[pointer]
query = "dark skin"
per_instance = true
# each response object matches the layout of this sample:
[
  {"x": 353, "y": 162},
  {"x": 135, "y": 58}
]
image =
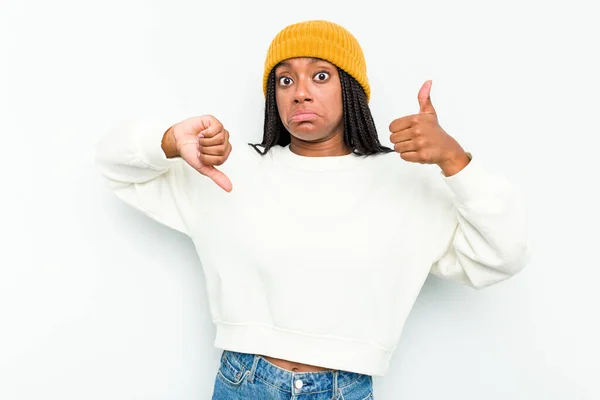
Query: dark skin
[
  {"x": 309, "y": 101},
  {"x": 313, "y": 84},
  {"x": 420, "y": 138}
]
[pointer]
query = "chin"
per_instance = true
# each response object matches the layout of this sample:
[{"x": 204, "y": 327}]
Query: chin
[
  {"x": 307, "y": 132},
  {"x": 308, "y": 137}
]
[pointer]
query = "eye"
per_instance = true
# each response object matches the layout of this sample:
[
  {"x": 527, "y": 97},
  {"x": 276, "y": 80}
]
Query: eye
[
  {"x": 322, "y": 76},
  {"x": 285, "y": 81}
]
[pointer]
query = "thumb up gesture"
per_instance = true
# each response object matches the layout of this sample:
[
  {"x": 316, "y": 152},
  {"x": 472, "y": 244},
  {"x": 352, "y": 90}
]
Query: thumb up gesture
[
  {"x": 419, "y": 138},
  {"x": 203, "y": 143}
]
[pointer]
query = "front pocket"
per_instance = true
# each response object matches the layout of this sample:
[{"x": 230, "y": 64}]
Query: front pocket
[
  {"x": 230, "y": 373},
  {"x": 236, "y": 381},
  {"x": 359, "y": 389}
]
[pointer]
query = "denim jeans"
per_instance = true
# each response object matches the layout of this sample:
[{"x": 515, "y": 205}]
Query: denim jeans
[{"x": 252, "y": 377}]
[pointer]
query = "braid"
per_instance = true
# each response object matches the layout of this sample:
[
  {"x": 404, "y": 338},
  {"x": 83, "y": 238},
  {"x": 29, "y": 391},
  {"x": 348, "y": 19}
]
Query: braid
[
  {"x": 274, "y": 131},
  {"x": 360, "y": 133}
]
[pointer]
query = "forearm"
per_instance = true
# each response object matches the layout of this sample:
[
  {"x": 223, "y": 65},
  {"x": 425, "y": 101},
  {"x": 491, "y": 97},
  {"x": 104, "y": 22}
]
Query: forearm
[
  {"x": 132, "y": 152},
  {"x": 491, "y": 240}
]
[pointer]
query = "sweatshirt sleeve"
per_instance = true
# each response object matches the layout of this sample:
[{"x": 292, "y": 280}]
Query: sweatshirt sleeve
[
  {"x": 487, "y": 238},
  {"x": 131, "y": 160}
]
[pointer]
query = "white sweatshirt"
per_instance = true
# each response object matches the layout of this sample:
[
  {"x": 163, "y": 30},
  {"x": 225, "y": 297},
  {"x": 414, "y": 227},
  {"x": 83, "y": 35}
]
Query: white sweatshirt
[{"x": 319, "y": 260}]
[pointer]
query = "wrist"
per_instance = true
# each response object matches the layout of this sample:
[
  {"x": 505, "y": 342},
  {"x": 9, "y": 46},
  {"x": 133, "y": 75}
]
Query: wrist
[
  {"x": 169, "y": 144},
  {"x": 455, "y": 163}
]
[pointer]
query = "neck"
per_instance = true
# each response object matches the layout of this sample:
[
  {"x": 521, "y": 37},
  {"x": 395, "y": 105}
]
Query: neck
[{"x": 330, "y": 147}]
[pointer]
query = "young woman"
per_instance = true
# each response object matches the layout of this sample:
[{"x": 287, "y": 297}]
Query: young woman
[{"x": 316, "y": 242}]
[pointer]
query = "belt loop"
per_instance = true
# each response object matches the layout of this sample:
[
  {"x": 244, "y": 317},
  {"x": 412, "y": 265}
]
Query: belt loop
[
  {"x": 253, "y": 368},
  {"x": 334, "y": 389}
]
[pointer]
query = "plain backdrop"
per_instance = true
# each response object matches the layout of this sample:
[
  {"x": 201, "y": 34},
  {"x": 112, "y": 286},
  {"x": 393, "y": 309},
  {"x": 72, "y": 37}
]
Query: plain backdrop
[{"x": 98, "y": 302}]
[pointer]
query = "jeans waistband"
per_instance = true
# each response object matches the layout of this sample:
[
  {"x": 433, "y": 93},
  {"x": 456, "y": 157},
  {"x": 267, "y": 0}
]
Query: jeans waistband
[{"x": 283, "y": 379}]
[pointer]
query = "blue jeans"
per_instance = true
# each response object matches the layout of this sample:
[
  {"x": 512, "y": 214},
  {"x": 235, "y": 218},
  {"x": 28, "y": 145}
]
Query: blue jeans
[{"x": 252, "y": 377}]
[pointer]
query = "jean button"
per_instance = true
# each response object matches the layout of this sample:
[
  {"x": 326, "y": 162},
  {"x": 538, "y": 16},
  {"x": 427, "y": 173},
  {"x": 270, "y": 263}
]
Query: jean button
[{"x": 298, "y": 384}]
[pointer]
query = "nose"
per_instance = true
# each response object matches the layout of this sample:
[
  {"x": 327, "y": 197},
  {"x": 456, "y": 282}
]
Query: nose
[{"x": 302, "y": 92}]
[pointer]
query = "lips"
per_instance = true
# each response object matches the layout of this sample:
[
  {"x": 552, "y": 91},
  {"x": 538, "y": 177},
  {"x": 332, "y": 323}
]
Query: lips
[{"x": 303, "y": 115}]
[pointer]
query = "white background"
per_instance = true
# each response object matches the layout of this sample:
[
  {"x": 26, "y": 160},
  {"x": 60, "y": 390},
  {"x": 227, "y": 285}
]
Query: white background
[{"x": 98, "y": 302}]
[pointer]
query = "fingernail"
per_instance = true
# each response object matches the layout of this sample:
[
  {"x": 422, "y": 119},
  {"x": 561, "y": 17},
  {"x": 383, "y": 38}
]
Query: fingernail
[
  {"x": 200, "y": 135},
  {"x": 198, "y": 154}
]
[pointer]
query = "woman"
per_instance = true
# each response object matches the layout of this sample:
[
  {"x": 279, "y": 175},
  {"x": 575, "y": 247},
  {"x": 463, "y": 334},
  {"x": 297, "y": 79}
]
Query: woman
[{"x": 316, "y": 242}]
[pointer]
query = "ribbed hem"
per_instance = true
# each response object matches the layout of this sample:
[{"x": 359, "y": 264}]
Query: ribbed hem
[{"x": 333, "y": 353}]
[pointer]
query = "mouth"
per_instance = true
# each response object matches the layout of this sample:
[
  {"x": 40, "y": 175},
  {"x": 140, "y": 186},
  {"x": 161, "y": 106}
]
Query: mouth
[{"x": 303, "y": 115}]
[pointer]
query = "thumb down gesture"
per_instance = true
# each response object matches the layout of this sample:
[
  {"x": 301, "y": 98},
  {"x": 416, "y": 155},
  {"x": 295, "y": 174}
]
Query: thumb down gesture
[{"x": 202, "y": 142}]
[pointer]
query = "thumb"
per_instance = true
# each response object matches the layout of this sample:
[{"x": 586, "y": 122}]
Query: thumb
[
  {"x": 425, "y": 106},
  {"x": 217, "y": 176}
]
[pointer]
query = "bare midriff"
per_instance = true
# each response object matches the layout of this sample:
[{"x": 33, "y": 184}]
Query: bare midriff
[{"x": 294, "y": 366}]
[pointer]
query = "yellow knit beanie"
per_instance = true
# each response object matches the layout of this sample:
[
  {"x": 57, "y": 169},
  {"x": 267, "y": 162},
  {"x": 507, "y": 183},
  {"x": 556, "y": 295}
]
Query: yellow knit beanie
[{"x": 319, "y": 39}]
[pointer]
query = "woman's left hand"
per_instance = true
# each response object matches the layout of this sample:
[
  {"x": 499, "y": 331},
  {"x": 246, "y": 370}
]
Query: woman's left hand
[{"x": 420, "y": 138}]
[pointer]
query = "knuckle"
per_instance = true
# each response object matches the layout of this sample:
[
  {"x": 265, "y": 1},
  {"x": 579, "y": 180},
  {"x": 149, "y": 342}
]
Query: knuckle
[{"x": 204, "y": 159}]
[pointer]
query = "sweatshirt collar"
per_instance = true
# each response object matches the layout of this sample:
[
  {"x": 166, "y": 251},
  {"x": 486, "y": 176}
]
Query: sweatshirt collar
[{"x": 285, "y": 154}]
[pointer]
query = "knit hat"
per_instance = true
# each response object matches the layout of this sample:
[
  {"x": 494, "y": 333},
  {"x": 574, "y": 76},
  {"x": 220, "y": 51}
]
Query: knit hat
[{"x": 319, "y": 39}]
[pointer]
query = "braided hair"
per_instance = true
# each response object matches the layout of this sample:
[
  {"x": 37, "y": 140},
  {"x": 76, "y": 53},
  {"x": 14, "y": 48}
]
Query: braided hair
[{"x": 360, "y": 133}]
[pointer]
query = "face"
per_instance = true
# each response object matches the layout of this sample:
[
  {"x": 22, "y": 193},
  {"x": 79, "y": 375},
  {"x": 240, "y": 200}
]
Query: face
[{"x": 309, "y": 98}]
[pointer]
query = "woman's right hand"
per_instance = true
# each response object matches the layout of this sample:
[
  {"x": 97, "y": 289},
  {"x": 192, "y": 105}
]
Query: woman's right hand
[{"x": 203, "y": 143}]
